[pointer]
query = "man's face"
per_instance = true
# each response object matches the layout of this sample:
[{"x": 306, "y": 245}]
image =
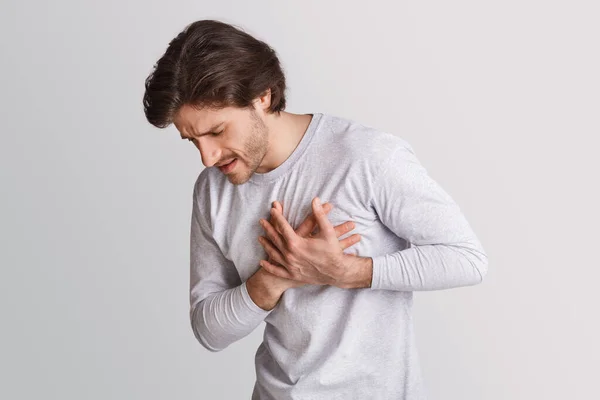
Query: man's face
[{"x": 226, "y": 134}]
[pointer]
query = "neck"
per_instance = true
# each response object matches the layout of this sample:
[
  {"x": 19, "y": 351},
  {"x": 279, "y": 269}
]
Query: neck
[{"x": 286, "y": 130}]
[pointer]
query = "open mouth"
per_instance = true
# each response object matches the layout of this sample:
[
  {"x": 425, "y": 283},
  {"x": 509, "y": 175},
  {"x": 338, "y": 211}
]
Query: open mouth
[{"x": 228, "y": 167}]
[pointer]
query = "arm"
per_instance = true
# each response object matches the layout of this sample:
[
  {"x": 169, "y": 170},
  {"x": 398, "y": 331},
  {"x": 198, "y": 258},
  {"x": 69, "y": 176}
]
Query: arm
[
  {"x": 264, "y": 290},
  {"x": 222, "y": 309},
  {"x": 444, "y": 251}
]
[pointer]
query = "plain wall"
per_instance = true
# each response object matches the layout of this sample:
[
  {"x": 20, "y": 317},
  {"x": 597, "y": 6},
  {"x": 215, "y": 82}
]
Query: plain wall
[{"x": 500, "y": 100}]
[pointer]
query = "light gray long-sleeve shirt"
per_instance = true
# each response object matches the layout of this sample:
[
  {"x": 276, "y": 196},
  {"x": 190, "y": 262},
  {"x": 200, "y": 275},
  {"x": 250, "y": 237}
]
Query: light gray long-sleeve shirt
[{"x": 324, "y": 342}]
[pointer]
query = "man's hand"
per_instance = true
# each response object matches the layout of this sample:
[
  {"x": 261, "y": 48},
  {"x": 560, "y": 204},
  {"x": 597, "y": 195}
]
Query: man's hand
[
  {"x": 305, "y": 229},
  {"x": 314, "y": 258}
]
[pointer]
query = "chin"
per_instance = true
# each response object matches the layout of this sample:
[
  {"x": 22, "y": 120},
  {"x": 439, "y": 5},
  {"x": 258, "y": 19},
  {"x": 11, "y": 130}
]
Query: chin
[
  {"x": 238, "y": 178},
  {"x": 241, "y": 176}
]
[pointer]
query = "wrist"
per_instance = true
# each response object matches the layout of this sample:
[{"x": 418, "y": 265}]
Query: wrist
[
  {"x": 359, "y": 272},
  {"x": 264, "y": 291}
]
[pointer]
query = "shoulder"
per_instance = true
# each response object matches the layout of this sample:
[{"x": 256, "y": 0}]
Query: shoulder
[
  {"x": 364, "y": 143},
  {"x": 206, "y": 188},
  {"x": 210, "y": 180},
  {"x": 202, "y": 185}
]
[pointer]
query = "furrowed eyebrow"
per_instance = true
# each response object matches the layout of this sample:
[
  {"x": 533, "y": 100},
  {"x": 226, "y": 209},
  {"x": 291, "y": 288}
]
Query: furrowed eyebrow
[{"x": 212, "y": 129}]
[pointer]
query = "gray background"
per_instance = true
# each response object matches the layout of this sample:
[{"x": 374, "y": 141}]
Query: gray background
[{"x": 500, "y": 100}]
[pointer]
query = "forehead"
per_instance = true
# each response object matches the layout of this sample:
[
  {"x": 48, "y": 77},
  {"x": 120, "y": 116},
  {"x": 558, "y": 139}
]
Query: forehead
[{"x": 188, "y": 118}]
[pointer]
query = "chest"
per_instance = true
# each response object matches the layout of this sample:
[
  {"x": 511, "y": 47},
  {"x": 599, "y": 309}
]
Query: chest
[{"x": 238, "y": 235}]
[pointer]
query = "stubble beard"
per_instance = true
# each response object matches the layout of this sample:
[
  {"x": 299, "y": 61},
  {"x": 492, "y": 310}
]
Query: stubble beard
[{"x": 255, "y": 147}]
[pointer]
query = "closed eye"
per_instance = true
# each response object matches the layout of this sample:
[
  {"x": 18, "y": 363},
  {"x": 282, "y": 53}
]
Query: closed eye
[{"x": 191, "y": 139}]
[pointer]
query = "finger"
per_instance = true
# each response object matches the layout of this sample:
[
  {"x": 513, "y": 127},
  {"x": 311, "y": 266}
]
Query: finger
[
  {"x": 323, "y": 223},
  {"x": 287, "y": 231},
  {"x": 275, "y": 269},
  {"x": 343, "y": 228},
  {"x": 271, "y": 250},
  {"x": 271, "y": 219},
  {"x": 272, "y": 234},
  {"x": 349, "y": 241},
  {"x": 309, "y": 224}
]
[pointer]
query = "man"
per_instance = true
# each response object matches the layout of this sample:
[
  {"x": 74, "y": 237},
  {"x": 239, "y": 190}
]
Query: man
[{"x": 337, "y": 307}]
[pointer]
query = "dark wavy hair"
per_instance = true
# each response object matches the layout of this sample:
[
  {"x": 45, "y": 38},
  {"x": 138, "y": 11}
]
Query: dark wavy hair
[{"x": 212, "y": 64}]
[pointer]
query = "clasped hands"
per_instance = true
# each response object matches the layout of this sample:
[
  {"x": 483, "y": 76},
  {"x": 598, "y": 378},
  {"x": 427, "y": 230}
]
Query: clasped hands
[{"x": 307, "y": 257}]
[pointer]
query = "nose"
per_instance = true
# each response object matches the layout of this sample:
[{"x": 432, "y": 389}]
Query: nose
[{"x": 209, "y": 152}]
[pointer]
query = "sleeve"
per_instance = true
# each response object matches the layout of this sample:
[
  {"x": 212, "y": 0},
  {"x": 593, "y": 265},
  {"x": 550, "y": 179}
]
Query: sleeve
[
  {"x": 443, "y": 250},
  {"x": 221, "y": 310}
]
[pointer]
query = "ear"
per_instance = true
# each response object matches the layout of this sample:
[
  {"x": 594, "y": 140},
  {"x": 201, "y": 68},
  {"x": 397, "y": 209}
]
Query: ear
[{"x": 263, "y": 102}]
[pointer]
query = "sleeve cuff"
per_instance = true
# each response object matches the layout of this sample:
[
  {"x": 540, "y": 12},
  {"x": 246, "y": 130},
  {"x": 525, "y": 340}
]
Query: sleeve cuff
[
  {"x": 387, "y": 273},
  {"x": 250, "y": 304}
]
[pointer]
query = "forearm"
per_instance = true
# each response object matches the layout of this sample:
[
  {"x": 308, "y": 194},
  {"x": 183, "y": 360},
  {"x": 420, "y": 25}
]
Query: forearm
[
  {"x": 226, "y": 317},
  {"x": 430, "y": 267}
]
